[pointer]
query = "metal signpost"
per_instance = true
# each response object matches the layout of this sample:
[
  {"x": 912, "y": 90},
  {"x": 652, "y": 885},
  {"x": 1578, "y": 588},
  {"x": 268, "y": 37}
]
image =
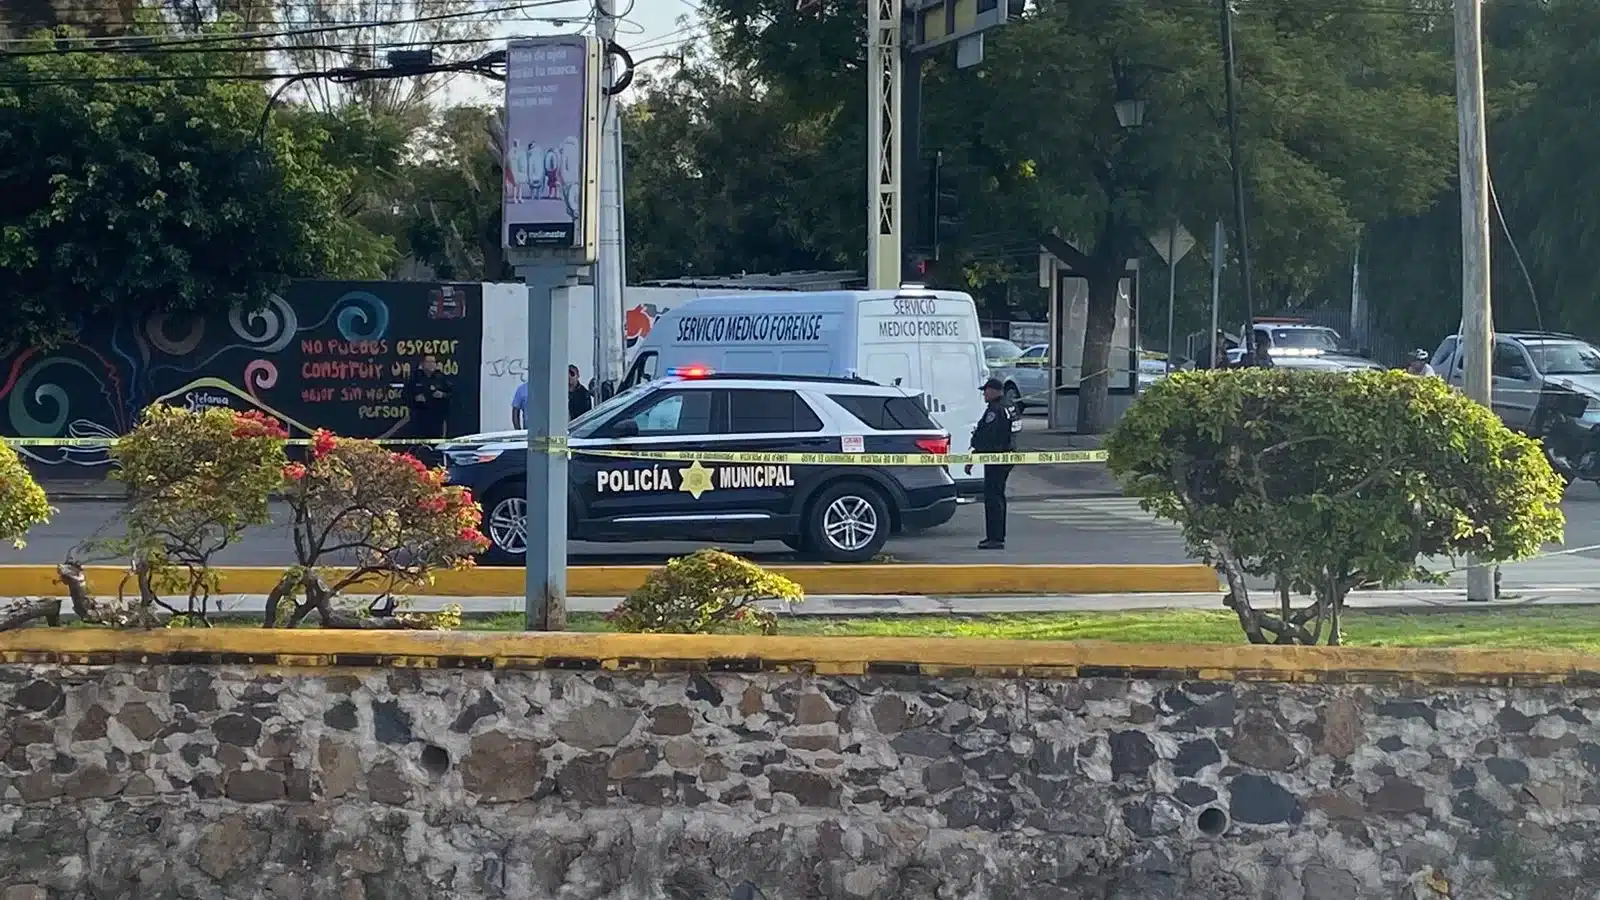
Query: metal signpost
[
  {"x": 551, "y": 222},
  {"x": 1218, "y": 247},
  {"x": 1173, "y": 246}
]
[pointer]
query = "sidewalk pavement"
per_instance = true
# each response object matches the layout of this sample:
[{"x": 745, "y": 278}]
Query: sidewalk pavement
[
  {"x": 82, "y": 490},
  {"x": 1431, "y": 600}
]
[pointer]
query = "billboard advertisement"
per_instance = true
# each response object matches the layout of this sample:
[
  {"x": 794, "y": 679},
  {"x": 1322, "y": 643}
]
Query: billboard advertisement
[{"x": 552, "y": 145}]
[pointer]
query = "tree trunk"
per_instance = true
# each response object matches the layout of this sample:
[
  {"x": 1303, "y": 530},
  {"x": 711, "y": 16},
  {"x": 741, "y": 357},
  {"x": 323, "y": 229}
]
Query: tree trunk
[
  {"x": 47, "y": 608},
  {"x": 1100, "y": 322}
]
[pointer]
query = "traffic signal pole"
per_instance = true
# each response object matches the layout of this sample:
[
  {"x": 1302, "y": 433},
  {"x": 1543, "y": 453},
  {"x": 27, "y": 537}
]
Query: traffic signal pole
[{"x": 884, "y": 213}]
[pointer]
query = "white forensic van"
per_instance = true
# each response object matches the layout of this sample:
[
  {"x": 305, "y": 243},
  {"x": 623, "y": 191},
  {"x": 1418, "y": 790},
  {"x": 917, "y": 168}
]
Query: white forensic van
[{"x": 922, "y": 340}]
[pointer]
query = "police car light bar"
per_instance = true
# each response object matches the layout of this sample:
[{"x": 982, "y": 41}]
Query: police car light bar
[
  {"x": 690, "y": 371},
  {"x": 1294, "y": 351}
]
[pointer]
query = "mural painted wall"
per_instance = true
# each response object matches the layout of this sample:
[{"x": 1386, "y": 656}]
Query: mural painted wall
[{"x": 327, "y": 355}]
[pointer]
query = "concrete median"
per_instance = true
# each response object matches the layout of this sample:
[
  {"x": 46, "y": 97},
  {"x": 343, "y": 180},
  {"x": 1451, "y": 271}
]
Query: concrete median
[{"x": 615, "y": 581}]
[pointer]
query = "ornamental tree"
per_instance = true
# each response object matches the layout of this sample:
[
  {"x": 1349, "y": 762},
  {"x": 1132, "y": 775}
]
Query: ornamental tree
[
  {"x": 708, "y": 590},
  {"x": 22, "y": 502},
  {"x": 392, "y": 519},
  {"x": 22, "y": 505},
  {"x": 1326, "y": 482},
  {"x": 196, "y": 480}
]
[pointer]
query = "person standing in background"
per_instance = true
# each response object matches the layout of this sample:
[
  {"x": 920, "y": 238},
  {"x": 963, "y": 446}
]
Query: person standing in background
[
  {"x": 996, "y": 432},
  {"x": 519, "y": 407},
  {"x": 1260, "y": 356},
  {"x": 579, "y": 400},
  {"x": 428, "y": 394},
  {"x": 1216, "y": 355}
]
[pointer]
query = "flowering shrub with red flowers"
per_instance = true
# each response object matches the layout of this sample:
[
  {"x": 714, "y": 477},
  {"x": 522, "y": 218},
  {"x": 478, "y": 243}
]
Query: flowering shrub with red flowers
[
  {"x": 196, "y": 479},
  {"x": 388, "y": 517}
]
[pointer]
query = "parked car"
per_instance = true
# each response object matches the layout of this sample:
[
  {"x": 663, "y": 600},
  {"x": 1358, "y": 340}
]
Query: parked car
[
  {"x": 1546, "y": 385},
  {"x": 1025, "y": 371},
  {"x": 838, "y": 513}
]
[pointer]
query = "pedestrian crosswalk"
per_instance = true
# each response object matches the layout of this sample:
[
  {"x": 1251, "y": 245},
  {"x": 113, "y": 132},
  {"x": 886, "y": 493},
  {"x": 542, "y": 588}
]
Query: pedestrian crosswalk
[{"x": 1105, "y": 514}]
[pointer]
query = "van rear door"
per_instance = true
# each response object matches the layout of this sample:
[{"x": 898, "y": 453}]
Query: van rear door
[{"x": 931, "y": 342}]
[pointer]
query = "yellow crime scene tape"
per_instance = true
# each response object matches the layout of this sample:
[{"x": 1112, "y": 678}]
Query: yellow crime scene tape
[
  {"x": 559, "y": 445},
  {"x": 859, "y": 459},
  {"x": 293, "y": 442}
]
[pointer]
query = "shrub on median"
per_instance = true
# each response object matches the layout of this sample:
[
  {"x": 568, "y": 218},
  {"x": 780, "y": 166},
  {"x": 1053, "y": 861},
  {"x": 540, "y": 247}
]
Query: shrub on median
[
  {"x": 22, "y": 502},
  {"x": 706, "y": 591},
  {"x": 388, "y": 516},
  {"x": 1327, "y": 482}
]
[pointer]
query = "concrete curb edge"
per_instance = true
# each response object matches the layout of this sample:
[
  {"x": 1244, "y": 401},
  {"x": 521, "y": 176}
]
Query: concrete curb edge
[
  {"x": 950, "y": 657},
  {"x": 617, "y": 581}
]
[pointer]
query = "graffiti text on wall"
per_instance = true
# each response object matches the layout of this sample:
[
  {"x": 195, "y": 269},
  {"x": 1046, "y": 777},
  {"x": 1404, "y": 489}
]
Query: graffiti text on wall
[{"x": 331, "y": 355}]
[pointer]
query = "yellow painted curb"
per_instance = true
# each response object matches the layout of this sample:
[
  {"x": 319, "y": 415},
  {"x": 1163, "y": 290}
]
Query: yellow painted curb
[
  {"x": 617, "y": 581},
  {"x": 317, "y": 648}
]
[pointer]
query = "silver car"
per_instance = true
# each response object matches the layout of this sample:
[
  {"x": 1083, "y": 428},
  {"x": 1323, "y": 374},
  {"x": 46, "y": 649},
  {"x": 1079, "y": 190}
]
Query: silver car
[
  {"x": 1526, "y": 367},
  {"x": 1026, "y": 372}
]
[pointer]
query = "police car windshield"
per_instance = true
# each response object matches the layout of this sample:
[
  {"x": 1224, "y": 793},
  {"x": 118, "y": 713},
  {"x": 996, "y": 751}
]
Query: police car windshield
[{"x": 586, "y": 424}]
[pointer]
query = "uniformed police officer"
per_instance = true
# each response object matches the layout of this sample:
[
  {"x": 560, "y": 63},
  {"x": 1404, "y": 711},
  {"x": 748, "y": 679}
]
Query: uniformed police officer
[{"x": 995, "y": 433}]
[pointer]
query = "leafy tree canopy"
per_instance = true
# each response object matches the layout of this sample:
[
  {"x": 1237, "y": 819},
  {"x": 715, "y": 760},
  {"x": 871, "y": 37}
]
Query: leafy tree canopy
[
  {"x": 138, "y": 181},
  {"x": 1346, "y": 118}
]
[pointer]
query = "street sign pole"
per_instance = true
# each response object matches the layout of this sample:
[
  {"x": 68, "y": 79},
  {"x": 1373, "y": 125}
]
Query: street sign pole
[
  {"x": 551, "y": 234},
  {"x": 1217, "y": 249},
  {"x": 1172, "y": 286},
  {"x": 1172, "y": 246}
]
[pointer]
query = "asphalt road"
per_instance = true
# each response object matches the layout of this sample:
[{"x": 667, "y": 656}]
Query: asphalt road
[
  {"x": 1095, "y": 530},
  {"x": 1043, "y": 529}
]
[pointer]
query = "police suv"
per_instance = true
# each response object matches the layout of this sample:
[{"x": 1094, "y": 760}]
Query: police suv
[{"x": 831, "y": 509}]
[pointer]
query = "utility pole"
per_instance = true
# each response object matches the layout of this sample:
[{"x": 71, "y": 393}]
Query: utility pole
[
  {"x": 1477, "y": 313},
  {"x": 916, "y": 232},
  {"x": 884, "y": 213},
  {"x": 1230, "y": 75},
  {"x": 610, "y": 275}
]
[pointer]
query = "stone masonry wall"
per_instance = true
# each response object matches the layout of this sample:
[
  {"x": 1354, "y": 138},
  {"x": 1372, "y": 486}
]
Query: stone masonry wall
[{"x": 235, "y": 784}]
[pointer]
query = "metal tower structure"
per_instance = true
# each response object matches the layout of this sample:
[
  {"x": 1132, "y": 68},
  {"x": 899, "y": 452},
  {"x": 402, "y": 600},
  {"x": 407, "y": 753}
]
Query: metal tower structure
[{"x": 884, "y": 214}]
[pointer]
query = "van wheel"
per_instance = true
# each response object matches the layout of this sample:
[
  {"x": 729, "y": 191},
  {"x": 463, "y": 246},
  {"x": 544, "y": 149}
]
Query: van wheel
[
  {"x": 505, "y": 524},
  {"x": 848, "y": 522}
]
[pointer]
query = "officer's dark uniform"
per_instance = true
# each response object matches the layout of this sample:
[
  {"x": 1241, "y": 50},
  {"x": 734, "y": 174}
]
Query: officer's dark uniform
[
  {"x": 428, "y": 412},
  {"x": 996, "y": 433}
]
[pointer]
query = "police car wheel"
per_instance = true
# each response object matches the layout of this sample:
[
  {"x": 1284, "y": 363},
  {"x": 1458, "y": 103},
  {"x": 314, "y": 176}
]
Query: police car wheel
[
  {"x": 505, "y": 523},
  {"x": 848, "y": 522}
]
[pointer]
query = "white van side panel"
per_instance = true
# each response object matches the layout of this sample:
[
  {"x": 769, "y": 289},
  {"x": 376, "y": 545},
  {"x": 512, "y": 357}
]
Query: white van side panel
[{"x": 789, "y": 335}]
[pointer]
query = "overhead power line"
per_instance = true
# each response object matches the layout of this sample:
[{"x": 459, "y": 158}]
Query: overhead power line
[{"x": 146, "y": 43}]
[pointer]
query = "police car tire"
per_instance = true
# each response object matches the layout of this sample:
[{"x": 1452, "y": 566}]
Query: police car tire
[
  {"x": 496, "y": 555},
  {"x": 815, "y": 537}
]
